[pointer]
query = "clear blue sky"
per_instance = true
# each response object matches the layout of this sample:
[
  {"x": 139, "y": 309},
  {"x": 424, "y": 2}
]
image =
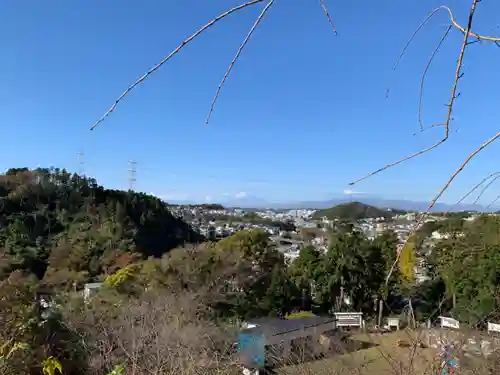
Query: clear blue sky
[{"x": 303, "y": 113}]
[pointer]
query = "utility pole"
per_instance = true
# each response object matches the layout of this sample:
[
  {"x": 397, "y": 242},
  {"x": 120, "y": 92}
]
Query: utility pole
[{"x": 132, "y": 174}]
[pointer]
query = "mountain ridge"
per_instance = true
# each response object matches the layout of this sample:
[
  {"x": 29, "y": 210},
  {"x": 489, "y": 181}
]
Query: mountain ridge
[
  {"x": 352, "y": 211},
  {"x": 400, "y": 204}
]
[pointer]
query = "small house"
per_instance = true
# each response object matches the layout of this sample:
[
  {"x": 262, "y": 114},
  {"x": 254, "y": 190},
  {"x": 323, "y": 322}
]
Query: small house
[{"x": 275, "y": 337}]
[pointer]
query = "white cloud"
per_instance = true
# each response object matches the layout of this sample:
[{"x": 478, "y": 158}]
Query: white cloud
[
  {"x": 173, "y": 196},
  {"x": 241, "y": 194},
  {"x": 208, "y": 198},
  {"x": 352, "y": 192}
]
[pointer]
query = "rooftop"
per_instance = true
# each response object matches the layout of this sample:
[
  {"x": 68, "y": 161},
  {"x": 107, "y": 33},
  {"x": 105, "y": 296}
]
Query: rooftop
[{"x": 276, "y": 326}]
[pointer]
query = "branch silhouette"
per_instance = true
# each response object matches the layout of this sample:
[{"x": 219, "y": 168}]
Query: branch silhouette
[
  {"x": 238, "y": 53},
  {"x": 493, "y": 202},
  {"x": 424, "y": 215},
  {"x": 328, "y": 16},
  {"x": 466, "y": 31},
  {"x": 474, "y": 189},
  {"x": 422, "y": 80},
  {"x": 173, "y": 53},
  {"x": 458, "y": 75},
  {"x": 485, "y": 188}
]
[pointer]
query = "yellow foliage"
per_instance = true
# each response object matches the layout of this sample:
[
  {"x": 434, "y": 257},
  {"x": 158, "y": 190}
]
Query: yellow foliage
[
  {"x": 121, "y": 276},
  {"x": 117, "y": 370},
  {"x": 407, "y": 262},
  {"x": 299, "y": 314},
  {"x": 7, "y": 350},
  {"x": 50, "y": 365}
]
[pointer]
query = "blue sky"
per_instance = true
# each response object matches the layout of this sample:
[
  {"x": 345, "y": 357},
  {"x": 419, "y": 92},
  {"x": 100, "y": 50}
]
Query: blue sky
[{"x": 303, "y": 113}]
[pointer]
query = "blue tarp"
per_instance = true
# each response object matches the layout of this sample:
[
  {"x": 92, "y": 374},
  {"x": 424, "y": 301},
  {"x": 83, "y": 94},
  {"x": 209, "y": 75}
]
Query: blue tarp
[{"x": 252, "y": 349}]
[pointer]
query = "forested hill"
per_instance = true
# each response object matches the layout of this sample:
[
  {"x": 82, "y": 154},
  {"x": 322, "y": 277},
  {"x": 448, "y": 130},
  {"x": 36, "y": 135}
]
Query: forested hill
[
  {"x": 64, "y": 228},
  {"x": 352, "y": 211}
]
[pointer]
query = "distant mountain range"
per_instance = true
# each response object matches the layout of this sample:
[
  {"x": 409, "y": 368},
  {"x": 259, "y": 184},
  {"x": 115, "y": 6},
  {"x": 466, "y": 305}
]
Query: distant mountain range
[{"x": 250, "y": 201}]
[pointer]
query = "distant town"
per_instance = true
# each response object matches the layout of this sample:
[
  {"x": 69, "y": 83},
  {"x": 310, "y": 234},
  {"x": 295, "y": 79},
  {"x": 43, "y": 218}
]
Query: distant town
[{"x": 292, "y": 229}]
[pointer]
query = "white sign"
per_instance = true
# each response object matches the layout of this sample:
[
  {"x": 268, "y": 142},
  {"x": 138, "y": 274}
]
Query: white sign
[
  {"x": 449, "y": 322},
  {"x": 493, "y": 327},
  {"x": 350, "y": 319},
  {"x": 393, "y": 322}
]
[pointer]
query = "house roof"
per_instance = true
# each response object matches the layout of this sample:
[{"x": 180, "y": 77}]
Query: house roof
[{"x": 276, "y": 326}]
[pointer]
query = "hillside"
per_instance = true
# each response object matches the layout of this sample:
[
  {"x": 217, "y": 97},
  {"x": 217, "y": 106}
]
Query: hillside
[
  {"x": 62, "y": 227},
  {"x": 352, "y": 211}
]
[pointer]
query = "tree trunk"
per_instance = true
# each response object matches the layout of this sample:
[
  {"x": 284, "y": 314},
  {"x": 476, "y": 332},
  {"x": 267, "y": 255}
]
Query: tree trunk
[
  {"x": 380, "y": 311},
  {"x": 412, "y": 315}
]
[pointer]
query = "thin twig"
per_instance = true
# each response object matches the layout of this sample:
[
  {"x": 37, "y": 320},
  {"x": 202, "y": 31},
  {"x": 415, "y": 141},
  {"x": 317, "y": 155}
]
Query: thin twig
[
  {"x": 240, "y": 49},
  {"x": 485, "y": 188},
  {"x": 181, "y": 46},
  {"x": 441, "y": 192},
  {"x": 458, "y": 75},
  {"x": 493, "y": 202},
  {"x": 328, "y": 16},
  {"x": 425, "y": 73},
  {"x": 422, "y": 24},
  {"x": 437, "y": 144},
  {"x": 429, "y": 127},
  {"x": 453, "y": 23},
  {"x": 474, "y": 189}
]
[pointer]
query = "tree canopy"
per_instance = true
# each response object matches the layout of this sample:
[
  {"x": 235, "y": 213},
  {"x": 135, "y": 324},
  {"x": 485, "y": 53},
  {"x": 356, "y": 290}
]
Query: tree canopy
[
  {"x": 352, "y": 211},
  {"x": 65, "y": 228}
]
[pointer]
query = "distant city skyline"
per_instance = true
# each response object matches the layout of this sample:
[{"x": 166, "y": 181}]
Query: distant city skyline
[{"x": 303, "y": 113}]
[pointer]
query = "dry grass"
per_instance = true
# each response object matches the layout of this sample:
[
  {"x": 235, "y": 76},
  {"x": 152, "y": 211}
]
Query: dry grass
[
  {"x": 395, "y": 353},
  {"x": 384, "y": 356}
]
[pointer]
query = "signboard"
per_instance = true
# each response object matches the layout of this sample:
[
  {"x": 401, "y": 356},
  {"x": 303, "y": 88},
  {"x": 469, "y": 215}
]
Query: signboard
[
  {"x": 393, "y": 322},
  {"x": 449, "y": 322},
  {"x": 493, "y": 327},
  {"x": 347, "y": 319}
]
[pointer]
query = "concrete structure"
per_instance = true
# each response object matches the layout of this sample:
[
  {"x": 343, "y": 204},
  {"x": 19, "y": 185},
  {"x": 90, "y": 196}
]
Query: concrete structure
[{"x": 262, "y": 335}]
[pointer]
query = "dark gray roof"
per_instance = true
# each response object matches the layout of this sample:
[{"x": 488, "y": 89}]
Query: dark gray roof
[{"x": 276, "y": 326}]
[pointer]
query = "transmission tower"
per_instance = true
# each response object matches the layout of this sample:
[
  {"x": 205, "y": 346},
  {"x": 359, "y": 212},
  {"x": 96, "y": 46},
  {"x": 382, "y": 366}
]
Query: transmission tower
[
  {"x": 132, "y": 174},
  {"x": 81, "y": 163}
]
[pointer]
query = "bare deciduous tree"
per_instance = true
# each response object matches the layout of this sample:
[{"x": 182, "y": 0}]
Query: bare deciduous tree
[{"x": 158, "y": 333}]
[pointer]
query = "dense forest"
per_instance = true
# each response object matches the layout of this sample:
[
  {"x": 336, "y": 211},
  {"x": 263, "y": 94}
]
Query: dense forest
[{"x": 65, "y": 228}]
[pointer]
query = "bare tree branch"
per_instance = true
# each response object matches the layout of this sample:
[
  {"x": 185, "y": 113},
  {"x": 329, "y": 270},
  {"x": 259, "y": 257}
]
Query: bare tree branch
[
  {"x": 474, "y": 189},
  {"x": 458, "y": 75},
  {"x": 238, "y": 53},
  {"x": 429, "y": 127},
  {"x": 453, "y": 23},
  {"x": 441, "y": 192},
  {"x": 422, "y": 24},
  {"x": 328, "y": 16},
  {"x": 493, "y": 202},
  {"x": 485, "y": 188},
  {"x": 422, "y": 81},
  {"x": 174, "y": 52}
]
